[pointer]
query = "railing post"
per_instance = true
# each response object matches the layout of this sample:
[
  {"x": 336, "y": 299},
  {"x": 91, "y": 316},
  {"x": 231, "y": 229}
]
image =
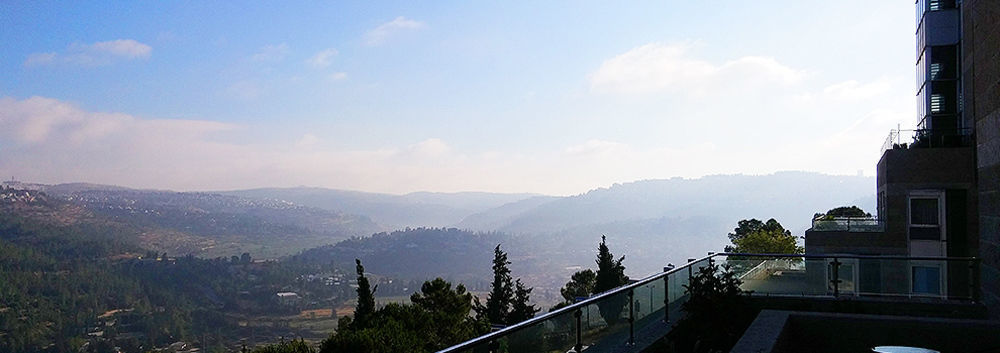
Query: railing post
[
  {"x": 690, "y": 274},
  {"x": 974, "y": 281},
  {"x": 666, "y": 298},
  {"x": 631, "y": 317},
  {"x": 836, "y": 277},
  {"x": 579, "y": 332}
]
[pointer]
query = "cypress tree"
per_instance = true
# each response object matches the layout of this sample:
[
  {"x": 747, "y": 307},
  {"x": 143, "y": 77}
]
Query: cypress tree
[
  {"x": 501, "y": 294},
  {"x": 366, "y": 298},
  {"x": 610, "y": 272},
  {"x": 521, "y": 309}
]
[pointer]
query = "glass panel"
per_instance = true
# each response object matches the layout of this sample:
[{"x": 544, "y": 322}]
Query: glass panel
[
  {"x": 938, "y": 5},
  {"x": 846, "y": 275},
  {"x": 869, "y": 276},
  {"x": 926, "y": 280},
  {"x": 678, "y": 281},
  {"x": 648, "y": 303},
  {"x": 924, "y": 211},
  {"x": 557, "y": 333},
  {"x": 925, "y": 233},
  {"x": 943, "y": 62},
  {"x": 605, "y": 323}
]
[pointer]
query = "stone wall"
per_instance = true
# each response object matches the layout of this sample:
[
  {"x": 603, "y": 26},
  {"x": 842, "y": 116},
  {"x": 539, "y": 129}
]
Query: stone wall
[{"x": 981, "y": 75}]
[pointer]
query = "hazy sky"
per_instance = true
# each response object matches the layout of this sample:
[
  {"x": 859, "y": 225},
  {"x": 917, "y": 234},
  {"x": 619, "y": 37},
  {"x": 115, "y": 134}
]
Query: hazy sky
[{"x": 541, "y": 96}]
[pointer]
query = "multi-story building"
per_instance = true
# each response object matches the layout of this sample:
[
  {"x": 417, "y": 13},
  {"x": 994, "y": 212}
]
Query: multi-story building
[{"x": 937, "y": 192}]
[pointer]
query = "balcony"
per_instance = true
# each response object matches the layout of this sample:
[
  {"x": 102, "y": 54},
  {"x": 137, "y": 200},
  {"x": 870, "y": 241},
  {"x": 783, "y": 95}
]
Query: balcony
[
  {"x": 848, "y": 224},
  {"x": 629, "y": 318},
  {"x": 927, "y": 138}
]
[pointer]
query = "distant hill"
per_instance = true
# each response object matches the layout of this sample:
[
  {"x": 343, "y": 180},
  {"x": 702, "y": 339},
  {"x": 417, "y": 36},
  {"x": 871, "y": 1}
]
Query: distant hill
[
  {"x": 790, "y": 197},
  {"x": 419, "y": 209},
  {"x": 210, "y": 225},
  {"x": 420, "y": 253},
  {"x": 670, "y": 220}
]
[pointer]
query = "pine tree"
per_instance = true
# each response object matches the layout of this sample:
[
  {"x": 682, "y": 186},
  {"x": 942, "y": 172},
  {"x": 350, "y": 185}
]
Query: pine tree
[
  {"x": 521, "y": 309},
  {"x": 610, "y": 275},
  {"x": 366, "y": 298},
  {"x": 610, "y": 272},
  {"x": 498, "y": 302}
]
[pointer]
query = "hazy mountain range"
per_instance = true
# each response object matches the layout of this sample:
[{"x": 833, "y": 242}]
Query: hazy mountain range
[{"x": 652, "y": 222}]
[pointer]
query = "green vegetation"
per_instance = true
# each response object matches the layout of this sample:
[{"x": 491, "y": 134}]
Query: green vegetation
[
  {"x": 580, "y": 285},
  {"x": 508, "y": 301},
  {"x": 610, "y": 275},
  {"x": 610, "y": 272},
  {"x": 366, "y": 298},
  {"x": 843, "y": 211},
  {"x": 299, "y": 346},
  {"x": 751, "y": 236},
  {"x": 716, "y": 313},
  {"x": 71, "y": 279},
  {"x": 437, "y": 318}
]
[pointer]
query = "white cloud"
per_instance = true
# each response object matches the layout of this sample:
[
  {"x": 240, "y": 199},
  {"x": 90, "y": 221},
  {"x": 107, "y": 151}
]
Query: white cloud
[
  {"x": 854, "y": 90},
  {"x": 96, "y": 54},
  {"x": 126, "y": 48},
  {"x": 379, "y": 35},
  {"x": 337, "y": 76},
  {"x": 654, "y": 68},
  {"x": 432, "y": 147},
  {"x": 597, "y": 147},
  {"x": 307, "y": 141},
  {"x": 271, "y": 53},
  {"x": 47, "y": 140},
  {"x": 323, "y": 58}
]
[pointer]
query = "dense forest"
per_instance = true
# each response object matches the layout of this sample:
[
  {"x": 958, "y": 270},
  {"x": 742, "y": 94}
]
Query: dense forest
[{"x": 72, "y": 280}]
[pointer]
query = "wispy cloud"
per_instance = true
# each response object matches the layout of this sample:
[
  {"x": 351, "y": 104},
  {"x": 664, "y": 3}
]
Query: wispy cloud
[
  {"x": 271, "y": 53},
  {"x": 322, "y": 59},
  {"x": 659, "y": 67},
  {"x": 381, "y": 33},
  {"x": 854, "y": 90},
  {"x": 96, "y": 54},
  {"x": 337, "y": 76}
]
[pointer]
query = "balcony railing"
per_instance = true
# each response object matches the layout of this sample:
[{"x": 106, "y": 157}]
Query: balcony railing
[
  {"x": 927, "y": 138},
  {"x": 848, "y": 224},
  {"x": 610, "y": 321}
]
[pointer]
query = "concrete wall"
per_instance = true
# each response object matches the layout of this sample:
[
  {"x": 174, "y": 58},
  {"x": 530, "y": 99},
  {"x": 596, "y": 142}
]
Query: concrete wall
[
  {"x": 856, "y": 243},
  {"x": 981, "y": 76},
  {"x": 903, "y": 170}
]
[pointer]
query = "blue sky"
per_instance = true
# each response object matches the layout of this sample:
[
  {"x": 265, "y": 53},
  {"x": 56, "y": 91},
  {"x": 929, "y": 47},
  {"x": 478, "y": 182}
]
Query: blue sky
[{"x": 549, "y": 97}]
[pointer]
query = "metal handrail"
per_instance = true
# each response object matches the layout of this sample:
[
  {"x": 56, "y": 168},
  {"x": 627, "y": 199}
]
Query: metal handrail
[
  {"x": 845, "y": 223},
  {"x": 631, "y": 286},
  {"x": 575, "y": 306},
  {"x": 894, "y": 139},
  {"x": 863, "y": 257}
]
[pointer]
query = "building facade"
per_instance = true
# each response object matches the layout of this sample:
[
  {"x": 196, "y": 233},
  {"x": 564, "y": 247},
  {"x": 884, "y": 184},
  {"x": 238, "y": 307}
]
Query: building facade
[
  {"x": 938, "y": 185},
  {"x": 981, "y": 92}
]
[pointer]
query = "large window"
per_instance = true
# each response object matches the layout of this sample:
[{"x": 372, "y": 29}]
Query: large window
[
  {"x": 925, "y": 218},
  {"x": 943, "y": 62},
  {"x": 938, "y": 5},
  {"x": 926, "y": 280}
]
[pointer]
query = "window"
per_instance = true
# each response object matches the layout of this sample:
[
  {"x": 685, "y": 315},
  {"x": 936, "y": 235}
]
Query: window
[
  {"x": 926, "y": 280},
  {"x": 943, "y": 62},
  {"x": 938, "y": 5},
  {"x": 925, "y": 218}
]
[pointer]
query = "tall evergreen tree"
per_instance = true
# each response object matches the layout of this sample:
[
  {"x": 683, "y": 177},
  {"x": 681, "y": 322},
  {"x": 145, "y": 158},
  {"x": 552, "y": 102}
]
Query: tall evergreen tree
[
  {"x": 498, "y": 302},
  {"x": 610, "y": 272},
  {"x": 366, "y": 298},
  {"x": 610, "y": 275},
  {"x": 521, "y": 309}
]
